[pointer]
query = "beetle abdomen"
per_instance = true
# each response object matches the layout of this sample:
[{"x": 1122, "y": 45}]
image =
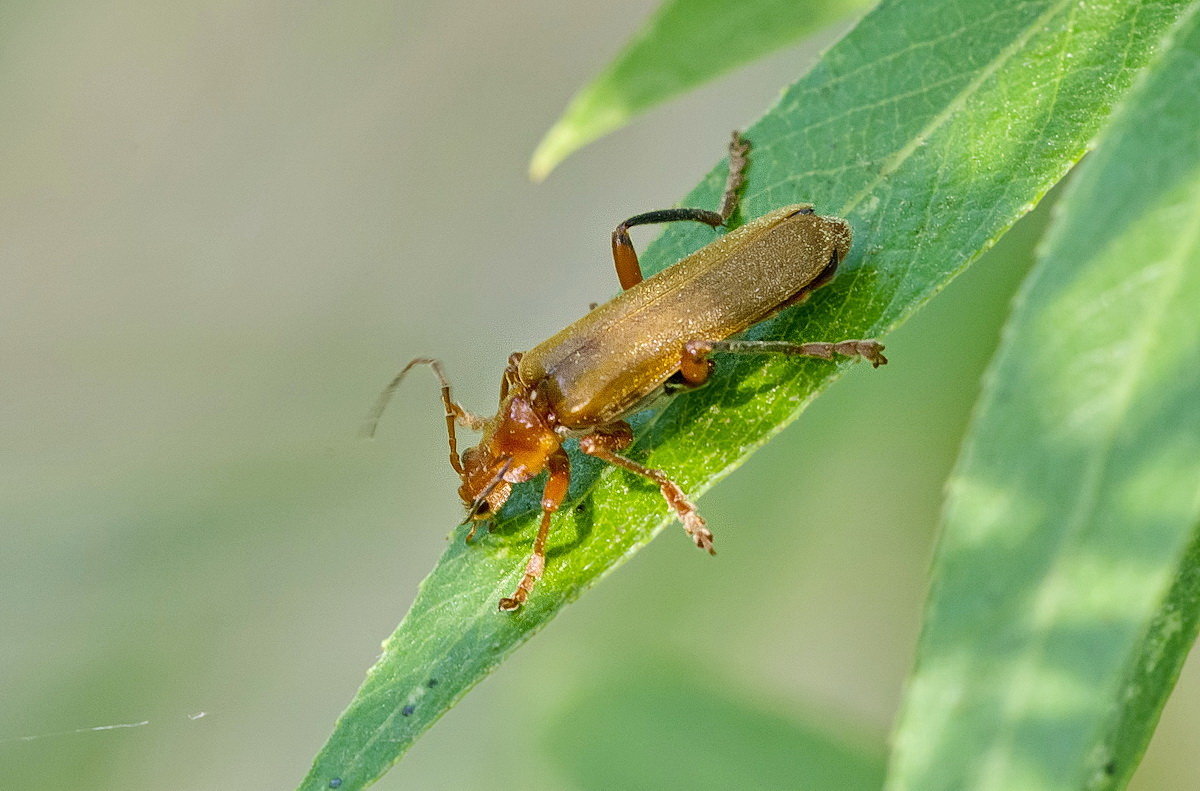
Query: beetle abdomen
[{"x": 603, "y": 365}]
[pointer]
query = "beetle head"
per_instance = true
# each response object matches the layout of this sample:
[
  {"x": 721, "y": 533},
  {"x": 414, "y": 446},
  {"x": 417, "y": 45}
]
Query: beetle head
[{"x": 514, "y": 448}]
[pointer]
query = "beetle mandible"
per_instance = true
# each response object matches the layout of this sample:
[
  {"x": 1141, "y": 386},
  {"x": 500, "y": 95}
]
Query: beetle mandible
[{"x": 653, "y": 338}]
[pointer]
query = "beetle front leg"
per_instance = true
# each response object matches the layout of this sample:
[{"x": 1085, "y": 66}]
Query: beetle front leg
[
  {"x": 604, "y": 444},
  {"x": 695, "y": 362},
  {"x": 455, "y": 413},
  {"x": 629, "y": 271},
  {"x": 552, "y": 497}
]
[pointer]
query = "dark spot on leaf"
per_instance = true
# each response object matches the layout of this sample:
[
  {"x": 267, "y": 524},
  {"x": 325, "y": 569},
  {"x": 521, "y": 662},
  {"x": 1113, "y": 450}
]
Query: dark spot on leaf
[
  {"x": 335, "y": 782},
  {"x": 1110, "y": 768},
  {"x": 431, "y": 683},
  {"x": 408, "y": 710}
]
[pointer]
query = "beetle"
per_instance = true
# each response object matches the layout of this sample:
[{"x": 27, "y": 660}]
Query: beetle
[{"x": 653, "y": 339}]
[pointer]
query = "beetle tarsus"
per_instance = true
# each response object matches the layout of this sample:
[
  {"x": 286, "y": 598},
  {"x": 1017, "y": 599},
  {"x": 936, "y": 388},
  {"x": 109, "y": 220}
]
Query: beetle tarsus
[
  {"x": 533, "y": 573},
  {"x": 693, "y": 524},
  {"x": 695, "y": 352},
  {"x": 695, "y": 527},
  {"x": 534, "y": 568},
  {"x": 738, "y": 148},
  {"x": 869, "y": 350}
]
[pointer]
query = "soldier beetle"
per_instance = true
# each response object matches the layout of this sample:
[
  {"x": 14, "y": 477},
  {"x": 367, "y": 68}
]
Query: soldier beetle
[{"x": 654, "y": 338}]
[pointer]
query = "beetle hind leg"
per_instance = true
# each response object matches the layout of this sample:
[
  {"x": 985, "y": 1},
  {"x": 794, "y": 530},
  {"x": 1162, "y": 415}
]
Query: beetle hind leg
[
  {"x": 629, "y": 270},
  {"x": 738, "y": 148},
  {"x": 695, "y": 353},
  {"x": 604, "y": 444}
]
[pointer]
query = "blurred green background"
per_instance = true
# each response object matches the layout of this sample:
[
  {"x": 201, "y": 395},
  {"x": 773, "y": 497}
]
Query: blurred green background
[{"x": 223, "y": 227}]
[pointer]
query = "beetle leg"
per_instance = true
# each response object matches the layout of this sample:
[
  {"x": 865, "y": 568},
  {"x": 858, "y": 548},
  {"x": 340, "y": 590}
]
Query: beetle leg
[
  {"x": 552, "y": 497},
  {"x": 511, "y": 375},
  {"x": 695, "y": 353},
  {"x": 629, "y": 271},
  {"x": 604, "y": 444},
  {"x": 455, "y": 414},
  {"x": 738, "y": 148}
]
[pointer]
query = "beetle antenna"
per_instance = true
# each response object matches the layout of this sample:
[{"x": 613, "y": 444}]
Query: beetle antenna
[
  {"x": 372, "y": 421},
  {"x": 454, "y": 412}
]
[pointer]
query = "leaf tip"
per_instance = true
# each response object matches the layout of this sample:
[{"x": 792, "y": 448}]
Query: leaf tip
[
  {"x": 558, "y": 143},
  {"x": 592, "y": 114}
]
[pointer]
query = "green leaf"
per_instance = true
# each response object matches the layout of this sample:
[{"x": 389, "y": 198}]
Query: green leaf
[
  {"x": 1065, "y": 596},
  {"x": 931, "y": 127},
  {"x": 676, "y": 728},
  {"x": 1158, "y": 660},
  {"x": 685, "y": 44}
]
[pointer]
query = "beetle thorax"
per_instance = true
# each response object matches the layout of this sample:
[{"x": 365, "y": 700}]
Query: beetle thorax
[{"x": 515, "y": 447}]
